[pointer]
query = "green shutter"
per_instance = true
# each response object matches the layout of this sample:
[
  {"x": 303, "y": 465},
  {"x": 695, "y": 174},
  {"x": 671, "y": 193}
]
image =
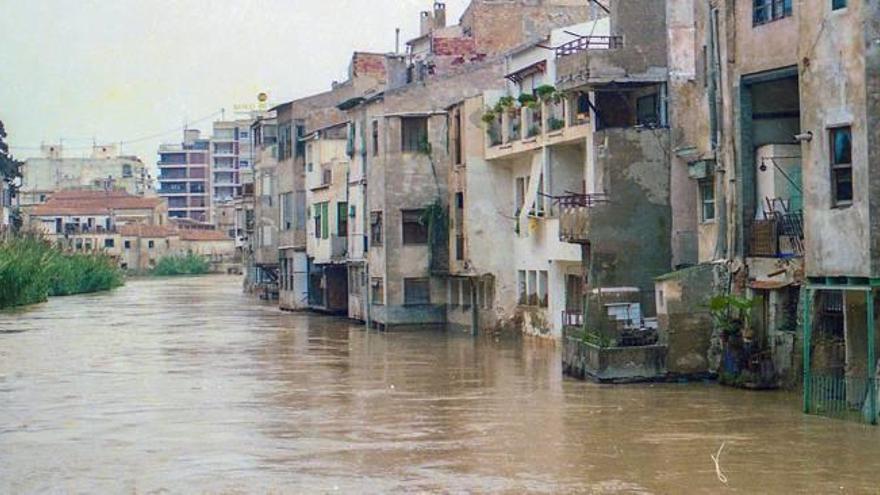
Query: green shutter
[{"x": 325, "y": 220}]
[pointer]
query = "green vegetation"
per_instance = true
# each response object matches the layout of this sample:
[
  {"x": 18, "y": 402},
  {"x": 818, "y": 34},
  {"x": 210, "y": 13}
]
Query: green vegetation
[
  {"x": 489, "y": 117},
  {"x": 526, "y": 99},
  {"x": 731, "y": 312},
  {"x": 547, "y": 93},
  {"x": 188, "y": 264},
  {"x": 505, "y": 103},
  {"x": 32, "y": 269},
  {"x": 555, "y": 123}
]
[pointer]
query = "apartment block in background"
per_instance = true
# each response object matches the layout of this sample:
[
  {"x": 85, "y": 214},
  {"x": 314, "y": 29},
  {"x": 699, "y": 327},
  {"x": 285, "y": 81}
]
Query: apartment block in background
[{"x": 184, "y": 177}]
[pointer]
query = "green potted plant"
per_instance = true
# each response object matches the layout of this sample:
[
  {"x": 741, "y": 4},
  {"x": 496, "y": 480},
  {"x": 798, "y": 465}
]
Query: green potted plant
[{"x": 546, "y": 93}]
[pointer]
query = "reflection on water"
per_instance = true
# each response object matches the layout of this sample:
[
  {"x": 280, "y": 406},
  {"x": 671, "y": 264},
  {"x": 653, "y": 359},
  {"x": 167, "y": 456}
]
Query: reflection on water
[{"x": 187, "y": 385}]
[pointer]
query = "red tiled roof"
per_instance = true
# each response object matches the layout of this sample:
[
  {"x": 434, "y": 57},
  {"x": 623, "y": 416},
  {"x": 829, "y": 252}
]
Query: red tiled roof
[
  {"x": 93, "y": 203},
  {"x": 203, "y": 235},
  {"x": 144, "y": 230}
]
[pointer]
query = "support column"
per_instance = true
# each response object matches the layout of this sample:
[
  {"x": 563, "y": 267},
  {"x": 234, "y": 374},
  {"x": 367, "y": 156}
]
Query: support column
[
  {"x": 872, "y": 360},
  {"x": 808, "y": 315}
]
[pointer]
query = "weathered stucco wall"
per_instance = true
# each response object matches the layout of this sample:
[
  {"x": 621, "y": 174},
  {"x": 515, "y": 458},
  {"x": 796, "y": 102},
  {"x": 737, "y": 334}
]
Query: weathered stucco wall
[
  {"x": 834, "y": 93},
  {"x": 684, "y": 321},
  {"x": 630, "y": 234}
]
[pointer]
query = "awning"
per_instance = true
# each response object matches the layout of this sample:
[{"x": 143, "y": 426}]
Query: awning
[{"x": 536, "y": 68}]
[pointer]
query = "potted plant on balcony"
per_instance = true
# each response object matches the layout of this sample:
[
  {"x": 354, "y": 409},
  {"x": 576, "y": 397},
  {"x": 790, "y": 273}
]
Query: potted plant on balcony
[
  {"x": 555, "y": 123},
  {"x": 505, "y": 104},
  {"x": 547, "y": 93}
]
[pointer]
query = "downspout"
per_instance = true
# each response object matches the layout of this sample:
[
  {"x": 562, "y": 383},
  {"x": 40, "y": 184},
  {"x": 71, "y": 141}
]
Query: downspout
[
  {"x": 721, "y": 248},
  {"x": 368, "y": 232}
]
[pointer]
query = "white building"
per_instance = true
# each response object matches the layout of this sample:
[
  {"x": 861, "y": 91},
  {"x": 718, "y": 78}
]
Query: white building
[{"x": 103, "y": 169}]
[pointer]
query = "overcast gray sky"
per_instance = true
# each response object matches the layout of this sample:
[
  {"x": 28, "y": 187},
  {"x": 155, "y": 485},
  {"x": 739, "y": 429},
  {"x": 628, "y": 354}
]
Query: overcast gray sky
[{"x": 119, "y": 70}]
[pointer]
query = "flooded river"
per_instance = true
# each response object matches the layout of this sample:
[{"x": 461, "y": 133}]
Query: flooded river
[{"x": 188, "y": 386}]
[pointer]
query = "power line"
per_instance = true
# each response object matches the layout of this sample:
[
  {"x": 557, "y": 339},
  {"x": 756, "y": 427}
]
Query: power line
[{"x": 133, "y": 140}]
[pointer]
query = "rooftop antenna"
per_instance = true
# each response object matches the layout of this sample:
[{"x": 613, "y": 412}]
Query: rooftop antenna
[{"x": 397, "y": 41}]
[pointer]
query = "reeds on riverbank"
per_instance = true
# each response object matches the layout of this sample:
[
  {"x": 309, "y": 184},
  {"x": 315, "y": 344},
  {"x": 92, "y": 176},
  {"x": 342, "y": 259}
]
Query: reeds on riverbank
[
  {"x": 186, "y": 264},
  {"x": 32, "y": 269}
]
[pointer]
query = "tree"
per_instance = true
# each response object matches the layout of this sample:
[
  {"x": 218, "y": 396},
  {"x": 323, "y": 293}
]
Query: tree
[{"x": 10, "y": 168}]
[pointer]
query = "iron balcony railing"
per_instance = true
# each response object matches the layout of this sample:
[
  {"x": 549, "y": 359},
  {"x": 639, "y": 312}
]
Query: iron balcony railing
[
  {"x": 781, "y": 235},
  {"x": 580, "y": 200},
  {"x": 589, "y": 43}
]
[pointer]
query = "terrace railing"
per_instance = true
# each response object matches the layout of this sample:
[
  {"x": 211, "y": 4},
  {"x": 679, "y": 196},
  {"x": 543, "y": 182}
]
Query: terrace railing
[{"x": 589, "y": 43}]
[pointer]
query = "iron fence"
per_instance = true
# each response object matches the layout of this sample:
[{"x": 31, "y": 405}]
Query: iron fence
[{"x": 843, "y": 397}]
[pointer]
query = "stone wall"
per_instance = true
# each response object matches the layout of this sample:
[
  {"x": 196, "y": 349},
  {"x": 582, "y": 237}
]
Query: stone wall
[{"x": 611, "y": 364}]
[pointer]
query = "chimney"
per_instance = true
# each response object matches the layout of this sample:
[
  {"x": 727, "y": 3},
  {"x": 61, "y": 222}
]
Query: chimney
[
  {"x": 426, "y": 23},
  {"x": 439, "y": 15}
]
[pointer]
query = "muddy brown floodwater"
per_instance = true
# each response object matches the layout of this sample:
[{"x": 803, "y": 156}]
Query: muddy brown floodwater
[{"x": 188, "y": 386}]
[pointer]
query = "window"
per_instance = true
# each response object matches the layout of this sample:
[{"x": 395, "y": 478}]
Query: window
[
  {"x": 522, "y": 185},
  {"x": 838, "y": 4},
  {"x": 376, "y": 228},
  {"x": 126, "y": 170},
  {"x": 533, "y": 288},
  {"x": 322, "y": 220},
  {"x": 765, "y": 11},
  {"x": 286, "y": 201},
  {"x": 413, "y": 134},
  {"x": 459, "y": 226},
  {"x": 454, "y": 292},
  {"x": 841, "y": 166},
  {"x": 414, "y": 231},
  {"x": 326, "y": 176},
  {"x": 456, "y": 138},
  {"x": 377, "y": 288},
  {"x": 151, "y": 244},
  {"x": 342, "y": 219},
  {"x": 127, "y": 244},
  {"x": 521, "y": 287},
  {"x": 707, "y": 200},
  {"x": 375, "y": 137},
  {"x": 109, "y": 243},
  {"x": 646, "y": 111},
  {"x": 285, "y": 142},
  {"x": 488, "y": 293},
  {"x": 466, "y": 293},
  {"x": 543, "y": 297},
  {"x": 416, "y": 291}
]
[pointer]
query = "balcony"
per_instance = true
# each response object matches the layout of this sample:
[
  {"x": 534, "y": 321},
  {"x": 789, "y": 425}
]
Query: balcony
[
  {"x": 550, "y": 123},
  {"x": 601, "y": 59},
  {"x": 591, "y": 42},
  {"x": 331, "y": 250},
  {"x": 575, "y": 215},
  {"x": 780, "y": 236}
]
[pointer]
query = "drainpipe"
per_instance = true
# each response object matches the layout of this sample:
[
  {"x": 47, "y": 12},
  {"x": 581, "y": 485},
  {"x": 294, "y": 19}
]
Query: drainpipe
[{"x": 365, "y": 225}]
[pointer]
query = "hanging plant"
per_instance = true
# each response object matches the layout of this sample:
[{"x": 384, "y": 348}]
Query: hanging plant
[{"x": 436, "y": 220}]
